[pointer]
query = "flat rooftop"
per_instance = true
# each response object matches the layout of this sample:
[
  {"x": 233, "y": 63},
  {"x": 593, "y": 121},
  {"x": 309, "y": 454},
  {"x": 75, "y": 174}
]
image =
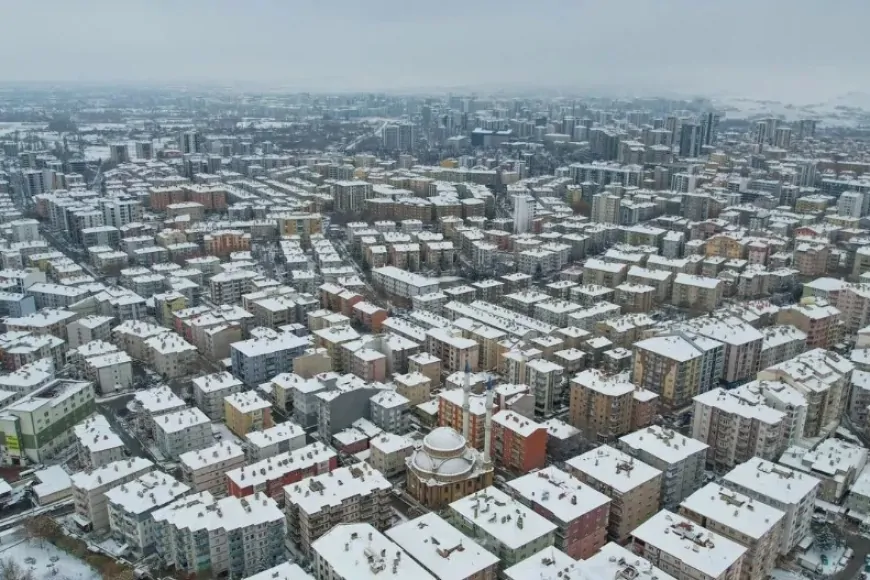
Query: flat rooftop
[
  {"x": 443, "y": 550},
  {"x": 691, "y": 544},
  {"x": 329, "y": 490},
  {"x": 503, "y": 518},
  {"x": 559, "y": 493},
  {"x": 146, "y": 493},
  {"x": 663, "y": 443},
  {"x": 361, "y": 552},
  {"x": 614, "y": 468},
  {"x": 772, "y": 480},
  {"x": 733, "y": 510}
]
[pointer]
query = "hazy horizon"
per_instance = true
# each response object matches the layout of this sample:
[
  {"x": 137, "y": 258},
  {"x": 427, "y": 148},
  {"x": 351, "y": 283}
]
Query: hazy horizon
[{"x": 798, "y": 51}]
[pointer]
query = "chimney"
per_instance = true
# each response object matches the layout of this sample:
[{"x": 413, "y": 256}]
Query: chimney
[
  {"x": 487, "y": 433},
  {"x": 466, "y": 404}
]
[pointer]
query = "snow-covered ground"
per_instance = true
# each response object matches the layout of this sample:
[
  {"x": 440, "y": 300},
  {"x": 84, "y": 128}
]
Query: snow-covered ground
[
  {"x": 44, "y": 558},
  {"x": 812, "y": 560},
  {"x": 226, "y": 436}
]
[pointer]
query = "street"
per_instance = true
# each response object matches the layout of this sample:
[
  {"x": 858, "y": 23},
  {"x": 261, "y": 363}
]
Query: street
[{"x": 861, "y": 546}]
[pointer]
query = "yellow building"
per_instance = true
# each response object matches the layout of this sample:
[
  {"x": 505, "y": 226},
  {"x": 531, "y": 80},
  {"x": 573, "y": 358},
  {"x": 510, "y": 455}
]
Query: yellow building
[
  {"x": 246, "y": 411},
  {"x": 167, "y": 304},
  {"x": 725, "y": 246},
  {"x": 299, "y": 224}
]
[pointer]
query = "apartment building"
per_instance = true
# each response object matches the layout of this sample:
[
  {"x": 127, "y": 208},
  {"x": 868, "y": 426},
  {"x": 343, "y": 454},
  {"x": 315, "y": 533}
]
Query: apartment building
[
  {"x": 601, "y": 273},
  {"x": 519, "y": 444},
  {"x": 698, "y": 293},
  {"x": 281, "y": 438},
  {"x": 455, "y": 352},
  {"x": 131, "y": 506},
  {"x": 170, "y": 355},
  {"x": 737, "y": 425},
  {"x": 415, "y": 387},
  {"x": 361, "y": 551},
  {"x": 510, "y": 529},
  {"x": 40, "y": 425},
  {"x": 789, "y": 491},
  {"x": 445, "y": 552},
  {"x": 681, "y": 460},
  {"x": 823, "y": 378},
  {"x": 686, "y": 550},
  {"x": 633, "y": 487},
  {"x": 781, "y": 343},
  {"x": 677, "y": 367},
  {"x": 743, "y": 342},
  {"x": 283, "y": 571},
  {"x": 754, "y": 525},
  {"x": 222, "y": 243},
  {"x": 818, "y": 320},
  {"x": 88, "y": 328},
  {"x": 545, "y": 382},
  {"x": 403, "y": 284},
  {"x": 834, "y": 462},
  {"x": 450, "y": 414},
  {"x": 357, "y": 494},
  {"x": 181, "y": 431},
  {"x": 270, "y": 475},
  {"x": 246, "y": 411},
  {"x": 228, "y": 287},
  {"x": 18, "y": 349},
  {"x": 579, "y": 512},
  {"x": 151, "y": 403},
  {"x": 131, "y": 336},
  {"x": 390, "y": 411},
  {"x": 256, "y": 360},
  {"x": 388, "y": 452},
  {"x": 613, "y": 561},
  {"x": 204, "y": 469},
  {"x": 853, "y": 302},
  {"x": 606, "y": 407},
  {"x": 236, "y": 537},
  {"x": 90, "y": 487},
  {"x": 209, "y": 392},
  {"x": 97, "y": 444}
]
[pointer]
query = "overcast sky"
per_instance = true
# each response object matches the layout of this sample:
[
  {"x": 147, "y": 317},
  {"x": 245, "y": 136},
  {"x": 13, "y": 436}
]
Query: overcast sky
[{"x": 799, "y": 50}]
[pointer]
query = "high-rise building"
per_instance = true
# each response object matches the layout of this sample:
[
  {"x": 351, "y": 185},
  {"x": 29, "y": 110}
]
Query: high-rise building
[
  {"x": 782, "y": 137},
  {"x": 399, "y": 137},
  {"x": 192, "y": 142},
  {"x": 691, "y": 140},
  {"x": 709, "y": 127},
  {"x": 524, "y": 213},
  {"x": 806, "y": 128}
]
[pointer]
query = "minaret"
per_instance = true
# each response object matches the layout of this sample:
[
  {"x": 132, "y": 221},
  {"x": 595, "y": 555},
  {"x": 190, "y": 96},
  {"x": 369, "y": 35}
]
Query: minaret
[
  {"x": 487, "y": 426},
  {"x": 466, "y": 404}
]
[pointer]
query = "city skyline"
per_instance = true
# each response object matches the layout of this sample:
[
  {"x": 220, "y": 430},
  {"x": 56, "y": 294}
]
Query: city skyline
[{"x": 796, "y": 52}]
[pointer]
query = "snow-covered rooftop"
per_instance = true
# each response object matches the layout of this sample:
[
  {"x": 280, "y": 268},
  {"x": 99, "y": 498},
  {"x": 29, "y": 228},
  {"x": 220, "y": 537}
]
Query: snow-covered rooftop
[
  {"x": 148, "y": 492},
  {"x": 559, "y": 493},
  {"x": 441, "y": 548},
  {"x": 503, "y": 518},
  {"x": 361, "y": 552},
  {"x": 614, "y": 468},
  {"x": 694, "y": 546},
  {"x": 663, "y": 443}
]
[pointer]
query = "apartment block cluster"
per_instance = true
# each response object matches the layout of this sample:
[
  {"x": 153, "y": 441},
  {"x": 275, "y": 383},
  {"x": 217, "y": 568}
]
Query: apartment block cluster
[{"x": 656, "y": 362}]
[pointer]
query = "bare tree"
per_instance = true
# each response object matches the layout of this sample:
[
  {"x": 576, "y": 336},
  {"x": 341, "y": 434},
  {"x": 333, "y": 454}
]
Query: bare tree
[{"x": 12, "y": 570}]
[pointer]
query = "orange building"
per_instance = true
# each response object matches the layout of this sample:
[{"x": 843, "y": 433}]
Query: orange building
[
  {"x": 370, "y": 316},
  {"x": 222, "y": 243},
  {"x": 450, "y": 414},
  {"x": 518, "y": 444}
]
